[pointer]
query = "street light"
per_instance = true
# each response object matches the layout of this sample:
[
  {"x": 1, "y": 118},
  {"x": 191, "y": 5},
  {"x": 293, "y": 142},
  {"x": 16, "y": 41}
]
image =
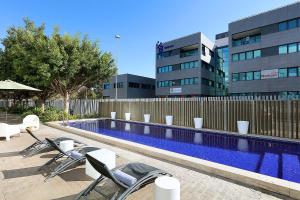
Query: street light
[{"x": 117, "y": 37}]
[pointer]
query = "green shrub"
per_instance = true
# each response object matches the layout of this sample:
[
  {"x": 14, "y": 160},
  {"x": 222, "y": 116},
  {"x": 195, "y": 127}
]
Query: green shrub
[{"x": 50, "y": 113}]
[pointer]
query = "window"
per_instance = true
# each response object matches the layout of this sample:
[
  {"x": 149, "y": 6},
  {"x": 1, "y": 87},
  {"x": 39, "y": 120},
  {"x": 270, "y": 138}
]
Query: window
[
  {"x": 242, "y": 76},
  {"x": 292, "y": 24},
  {"x": 242, "y": 56},
  {"x": 292, "y": 48},
  {"x": 165, "y": 69},
  {"x": 283, "y": 49},
  {"x": 235, "y": 77},
  {"x": 235, "y": 57},
  {"x": 282, "y": 73},
  {"x": 189, "y": 65},
  {"x": 282, "y": 26},
  {"x": 133, "y": 85},
  {"x": 196, "y": 80},
  {"x": 257, "y": 53},
  {"x": 189, "y": 81},
  {"x": 146, "y": 86},
  {"x": 249, "y": 55},
  {"x": 292, "y": 72},
  {"x": 186, "y": 53},
  {"x": 256, "y": 75},
  {"x": 106, "y": 86},
  {"x": 203, "y": 50},
  {"x": 249, "y": 76},
  {"x": 211, "y": 83},
  {"x": 119, "y": 85},
  {"x": 246, "y": 40}
]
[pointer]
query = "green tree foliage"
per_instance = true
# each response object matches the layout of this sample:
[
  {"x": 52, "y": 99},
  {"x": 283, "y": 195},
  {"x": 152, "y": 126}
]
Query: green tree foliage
[
  {"x": 57, "y": 64},
  {"x": 82, "y": 64},
  {"x": 28, "y": 57}
]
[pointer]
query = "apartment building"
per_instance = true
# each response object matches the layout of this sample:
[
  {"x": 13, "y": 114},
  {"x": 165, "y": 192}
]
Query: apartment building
[
  {"x": 128, "y": 86},
  {"x": 264, "y": 53},
  {"x": 186, "y": 67}
]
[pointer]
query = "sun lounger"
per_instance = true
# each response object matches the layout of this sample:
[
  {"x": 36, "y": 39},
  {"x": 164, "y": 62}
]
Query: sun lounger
[
  {"x": 128, "y": 178},
  {"x": 43, "y": 145},
  {"x": 73, "y": 157}
]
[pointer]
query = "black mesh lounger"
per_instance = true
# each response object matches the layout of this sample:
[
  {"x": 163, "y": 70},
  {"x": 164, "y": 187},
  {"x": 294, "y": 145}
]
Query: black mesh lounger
[
  {"x": 73, "y": 157},
  {"x": 143, "y": 173},
  {"x": 43, "y": 145}
]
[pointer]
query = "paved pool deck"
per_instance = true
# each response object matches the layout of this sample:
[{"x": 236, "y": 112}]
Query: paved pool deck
[{"x": 20, "y": 179}]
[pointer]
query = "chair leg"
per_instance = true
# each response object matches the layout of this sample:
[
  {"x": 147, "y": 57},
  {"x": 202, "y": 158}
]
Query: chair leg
[
  {"x": 62, "y": 167},
  {"x": 58, "y": 156},
  {"x": 86, "y": 191}
]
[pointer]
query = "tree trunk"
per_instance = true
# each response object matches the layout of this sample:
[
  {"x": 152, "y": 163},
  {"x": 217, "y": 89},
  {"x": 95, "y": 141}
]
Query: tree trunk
[
  {"x": 42, "y": 104},
  {"x": 66, "y": 102}
]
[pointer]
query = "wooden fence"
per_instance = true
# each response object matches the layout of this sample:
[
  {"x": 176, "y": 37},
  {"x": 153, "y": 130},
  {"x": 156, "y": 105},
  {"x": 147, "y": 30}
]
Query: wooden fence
[
  {"x": 270, "y": 116},
  {"x": 267, "y": 115}
]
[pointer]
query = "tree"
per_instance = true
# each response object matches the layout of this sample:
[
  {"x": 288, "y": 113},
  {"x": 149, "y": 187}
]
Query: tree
[
  {"x": 56, "y": 64},
  {"x": 28, "y": 56},
  {"x": 82, "y": 64}
]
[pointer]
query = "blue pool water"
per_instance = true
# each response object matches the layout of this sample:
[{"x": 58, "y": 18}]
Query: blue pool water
[{"x": 264, "y": 156}]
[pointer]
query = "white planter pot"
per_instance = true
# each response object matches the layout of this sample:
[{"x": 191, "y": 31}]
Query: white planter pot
[
  {"x": 113, "y": 115},
  {"x": 166, "y": 188},
  {"x": 243, "y": 127},
  {"x": 127, "y": 116},
  {"x": 198, "y": 122},
  {"x": 147, "y": 118},
  {"x": 169, "y": 120}
]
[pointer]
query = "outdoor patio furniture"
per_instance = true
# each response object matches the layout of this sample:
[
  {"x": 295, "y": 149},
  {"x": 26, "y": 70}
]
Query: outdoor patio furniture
[
  {"x": 30, "y": 121},
  {"x": 73, "y": 157},
  {"x": 7, "y": 130},
  {"x": 128, "y": 179},
  {"x": 43, "y": 145}
]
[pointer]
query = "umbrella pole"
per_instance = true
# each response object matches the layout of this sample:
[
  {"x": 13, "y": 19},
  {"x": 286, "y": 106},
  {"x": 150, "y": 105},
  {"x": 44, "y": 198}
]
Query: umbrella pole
[{"x": 6, "y": 107}]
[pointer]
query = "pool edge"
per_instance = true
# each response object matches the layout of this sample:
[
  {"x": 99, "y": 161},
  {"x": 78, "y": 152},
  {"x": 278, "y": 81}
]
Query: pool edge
[{"x": 275, "y": 185}]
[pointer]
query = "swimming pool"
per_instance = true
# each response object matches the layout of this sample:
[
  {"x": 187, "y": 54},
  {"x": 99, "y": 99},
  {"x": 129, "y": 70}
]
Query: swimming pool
[{"x": 279, "y": 159}]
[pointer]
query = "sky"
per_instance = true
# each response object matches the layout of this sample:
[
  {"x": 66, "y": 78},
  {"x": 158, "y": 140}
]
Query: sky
[{"x": 140, "y": 23}]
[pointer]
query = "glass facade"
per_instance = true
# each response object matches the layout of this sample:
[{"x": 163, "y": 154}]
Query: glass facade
[{"x": 222, "y": 63}]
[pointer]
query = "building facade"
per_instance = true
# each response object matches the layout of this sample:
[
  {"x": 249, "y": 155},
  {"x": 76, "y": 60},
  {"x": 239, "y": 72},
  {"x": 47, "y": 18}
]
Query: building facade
[
  {"x": 129, "y": 86},
  {"x": 265, "y": 53},
  {"x": 186, "y": 67}
]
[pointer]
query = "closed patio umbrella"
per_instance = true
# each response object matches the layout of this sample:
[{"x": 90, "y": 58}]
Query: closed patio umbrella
[{"x": 9, "y": 85}]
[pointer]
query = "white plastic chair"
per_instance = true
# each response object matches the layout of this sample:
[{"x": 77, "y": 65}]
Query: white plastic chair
[
  {"x": 30, "y": 121},
  {"x": 7, "y": 130}
]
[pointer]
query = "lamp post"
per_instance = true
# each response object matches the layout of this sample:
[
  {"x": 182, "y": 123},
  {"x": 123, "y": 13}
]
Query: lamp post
[{"x": 117, "y": 37}]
